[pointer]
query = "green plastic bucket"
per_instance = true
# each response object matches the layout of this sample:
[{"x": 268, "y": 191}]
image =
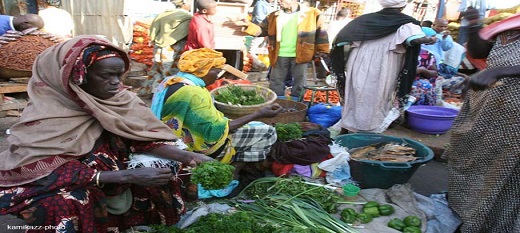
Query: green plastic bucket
[{"x": 378, "y": 174}]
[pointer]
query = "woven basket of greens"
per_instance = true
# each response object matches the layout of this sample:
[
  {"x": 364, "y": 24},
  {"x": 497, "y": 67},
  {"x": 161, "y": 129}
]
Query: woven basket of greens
[{"x": 238, "y": 100}]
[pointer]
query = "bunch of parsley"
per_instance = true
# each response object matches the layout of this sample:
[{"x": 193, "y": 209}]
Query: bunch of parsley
[
  {"x": 288, "y": 132},
  {"x": 212, "y": 175}
]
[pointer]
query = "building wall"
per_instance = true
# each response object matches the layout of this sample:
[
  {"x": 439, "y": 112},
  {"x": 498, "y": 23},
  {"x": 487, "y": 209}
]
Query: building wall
[{"x": 100, "y": 17}]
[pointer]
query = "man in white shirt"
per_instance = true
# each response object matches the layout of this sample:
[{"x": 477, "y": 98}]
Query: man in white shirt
[
  {"x": 57, "y": 21},
  {"x": 342, "y": 19}
]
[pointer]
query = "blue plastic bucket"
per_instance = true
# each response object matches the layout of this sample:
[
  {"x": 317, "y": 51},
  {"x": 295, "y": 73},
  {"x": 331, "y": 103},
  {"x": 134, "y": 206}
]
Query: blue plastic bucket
[{"x": 378, "y": 174}]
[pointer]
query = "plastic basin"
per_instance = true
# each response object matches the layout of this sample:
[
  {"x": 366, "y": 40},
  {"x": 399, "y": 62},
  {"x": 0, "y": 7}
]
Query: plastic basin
[
  {"x": 431, "y": 119},
  {"x": 378, "y": 174}
]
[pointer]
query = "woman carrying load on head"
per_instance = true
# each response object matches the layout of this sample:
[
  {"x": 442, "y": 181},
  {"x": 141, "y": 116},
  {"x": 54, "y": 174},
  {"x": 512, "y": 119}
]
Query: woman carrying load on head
[{"x": 66, "y": 165}]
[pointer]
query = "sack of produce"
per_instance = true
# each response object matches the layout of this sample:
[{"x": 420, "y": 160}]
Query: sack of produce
[
  {"x": 18, "y": 50},
  {"x": 496, "y": 18},
  {"x": 324, "y": 114}
]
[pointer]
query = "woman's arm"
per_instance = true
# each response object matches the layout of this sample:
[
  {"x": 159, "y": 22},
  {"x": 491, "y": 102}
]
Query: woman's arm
[
  {"x": 152, "y": 176},
  {"x": 488, "y": 77},
  {"x": 423, "y": 40},
  {"x": 172, "y": 152},
  {"x": 476, "y": 46},
  {"x": 143, "y": 176},
  {"x": 426, "y": 73},
  {"x": 269, "y": 111}
]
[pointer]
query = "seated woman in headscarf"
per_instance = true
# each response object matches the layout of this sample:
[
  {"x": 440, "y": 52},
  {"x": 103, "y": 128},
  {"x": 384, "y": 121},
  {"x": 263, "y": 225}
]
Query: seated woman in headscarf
[
  {"x": 423, "y": 88},
  {"x": 66, "y": 166},
  {"x": 186, "y": 106}
]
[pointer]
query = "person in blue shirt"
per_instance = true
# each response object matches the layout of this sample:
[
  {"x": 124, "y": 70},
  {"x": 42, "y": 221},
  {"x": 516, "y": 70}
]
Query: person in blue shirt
[
  {"x": 20, "y": 23},
  {"x": 260, "y": 11},
  {"x": 444, "y": 40}
]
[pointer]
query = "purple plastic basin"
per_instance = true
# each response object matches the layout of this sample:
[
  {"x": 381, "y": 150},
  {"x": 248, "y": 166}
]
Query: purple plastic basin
[{"x": 431, "y": 119}]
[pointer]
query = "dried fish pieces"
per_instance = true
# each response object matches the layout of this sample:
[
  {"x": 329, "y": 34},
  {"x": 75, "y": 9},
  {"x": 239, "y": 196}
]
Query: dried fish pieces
[
  {"x": 362, "y": 152},
  {"x": 387, "y": 152},
  {"x": 398, "y": 149}
]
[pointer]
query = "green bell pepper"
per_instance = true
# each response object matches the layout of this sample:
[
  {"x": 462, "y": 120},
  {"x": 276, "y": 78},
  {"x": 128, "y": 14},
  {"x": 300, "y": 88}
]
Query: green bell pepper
[
  {"x": 373, "y": 211},
  {"x": 412, "y": 221},
  {"x": 349, "y": 211},
  {"x": 364, "y": 217},
  {"x": 371, "y": 204},
  {"x": 397, "y": 224},
  {"x": 348, "y": 215},
  {"x": 412, "y": 230},
  {"x": 348, "y": 218},
  {"x": 386, "y": 210}
]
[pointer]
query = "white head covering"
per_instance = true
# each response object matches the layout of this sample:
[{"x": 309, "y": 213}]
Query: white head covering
[{"x": 392, "y": 3}]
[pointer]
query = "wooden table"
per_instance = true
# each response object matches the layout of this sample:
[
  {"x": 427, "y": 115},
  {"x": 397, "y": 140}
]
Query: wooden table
[{"x": 12, "y": 108}]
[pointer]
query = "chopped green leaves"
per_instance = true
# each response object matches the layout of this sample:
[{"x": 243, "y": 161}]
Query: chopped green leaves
[
  {"x": 213, "y": 175},
  {"x": 235, "y": 95}
]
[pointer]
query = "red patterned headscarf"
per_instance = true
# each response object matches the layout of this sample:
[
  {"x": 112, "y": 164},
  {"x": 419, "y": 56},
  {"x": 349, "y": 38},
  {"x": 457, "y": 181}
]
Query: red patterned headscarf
[
  {"x": 69, "y": 120},
  {"x": 87, "y": 57}
]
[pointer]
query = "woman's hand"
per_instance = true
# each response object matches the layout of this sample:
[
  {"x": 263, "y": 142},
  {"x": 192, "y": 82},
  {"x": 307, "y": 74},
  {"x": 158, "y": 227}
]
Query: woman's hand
[
  {"x": 270, "y": 111},
  {"x": 431, "y": 40},
  {"x": 172, "y": 152},
  {"x": 426, "y": 73},
  {"x": 197, "y": 159},
  {"x": 424, "y": 40},
  {"x": 150, "y": 176}
]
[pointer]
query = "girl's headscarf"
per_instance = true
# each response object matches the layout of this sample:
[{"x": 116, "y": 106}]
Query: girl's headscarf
[
  {"x": 63, "y": 122},
  {"x": 199, "y": 61}
]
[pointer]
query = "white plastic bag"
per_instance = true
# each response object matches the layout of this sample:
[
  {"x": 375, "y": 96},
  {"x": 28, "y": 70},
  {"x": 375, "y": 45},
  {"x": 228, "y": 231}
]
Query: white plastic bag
[
  {"x": 337, "y": 168},
  {"x": 341, "y": 156}
]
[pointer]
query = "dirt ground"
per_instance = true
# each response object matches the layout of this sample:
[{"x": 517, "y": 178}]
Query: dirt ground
[{"x": 8, "y": 222}]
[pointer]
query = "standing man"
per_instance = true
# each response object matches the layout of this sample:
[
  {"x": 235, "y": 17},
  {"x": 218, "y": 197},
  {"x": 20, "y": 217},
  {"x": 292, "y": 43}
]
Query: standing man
[
  {"x": 341, "y": 20},
  {"x": 20, "y": 23},
  {"x": 57, "y": 21},
  {"x": 168, "y": 33},
  {"x": 444, "y": 40},
  {"x": 480, "y": 5},
  {"x": 295, "y": 34}
]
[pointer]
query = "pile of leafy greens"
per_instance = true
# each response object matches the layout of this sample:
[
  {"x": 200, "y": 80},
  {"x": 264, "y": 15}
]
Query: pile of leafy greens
[
  {"x": 295, "y": 187},
  {"x": 212, "y": 175},
  {"x": 238, "y": 222},
  {"x": 235, "y": 95},
  {"x": 288, "y": 132}
]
